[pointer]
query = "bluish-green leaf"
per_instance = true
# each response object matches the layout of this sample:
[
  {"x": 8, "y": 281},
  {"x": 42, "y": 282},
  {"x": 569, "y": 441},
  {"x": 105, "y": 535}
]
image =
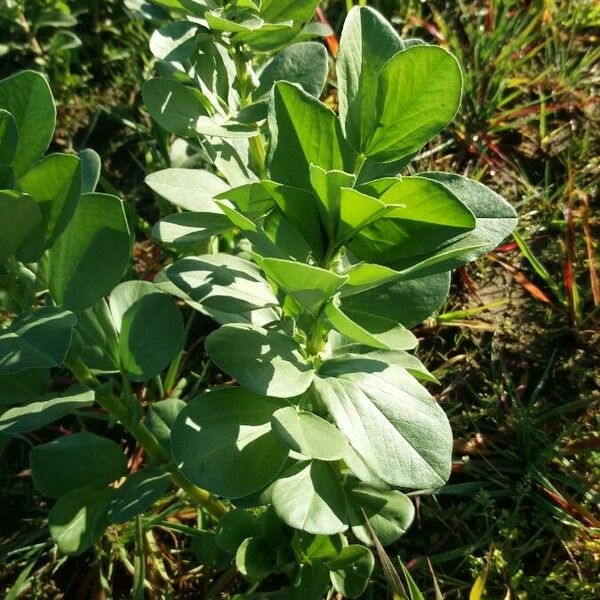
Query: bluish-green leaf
[
  {"x": 190, "y": 189},
  {"x": 310, "y": 286},
  {"x": 265, "y": 361},
  {"x": 174, "y": 42},
  {"x": 227, "y": 284},
  {"x": 418, "y": 94},
  {"x": 406, "y": 302},
  {"x": 390, "y": 419},
  {"x": 55, "y": 184},
  {"x": 351, "y": 570},
  {"x": 389, "y": 513},
  {"x": 74, "y": 461},
  {"x": 151, "y": 335},
  {"x": 310, "y": 497},
  {"x": 308, "y": 434},
  {"x": 39, "y": 339},
  {"x": 27, "y": 96},
  {"x": 90, "y": 256},
  {"x": 304, "y": 63},
  {"x": 91, "y": 165},
  {"x": 173, "y": 105},
  {"x": 303, "y": 128},
  {"x": 35, "y": 415},
  {"x": 79, "y": 518},
  {"x": 367, "y": 42},
  {"x": 222, "y": 441},
  {"x": 160, "y": 418},
  {"x": 19, "y": 217},
  {"x": 190, "y": 228},
  {"x": 9, "y": 137},
  {"x": 369, "y": 329},
  {"x": 139, "y": 492}
]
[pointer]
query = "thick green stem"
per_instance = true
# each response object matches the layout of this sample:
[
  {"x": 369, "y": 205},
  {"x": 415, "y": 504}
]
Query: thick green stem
[{"x": 123, "y": 413}]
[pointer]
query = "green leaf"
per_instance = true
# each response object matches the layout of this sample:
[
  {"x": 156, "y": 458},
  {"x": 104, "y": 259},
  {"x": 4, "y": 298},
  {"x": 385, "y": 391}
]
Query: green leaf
[
  {"x": 313, "y": 582},
  {"x": 39, "y": 339},
  {"x": 189, "y": 228},
  {"x": 206, "y": 551},
  {"x": 160, "y": 418},
  {"x": 190, "y": 189},
  {"x": 390, "y": 514},
  {"x": 351, "y": 570},
  {"x": 7, "y": 177},
  {"x": 495, "y": 217},
  {"x": 35, "y": 415},
  {"x": 151, "y": 336},
  {"x": 310, "y": 547},
  {"x": 139, "y": 492},
  {"x": 300, "y": 210},
  {"x": 421, "y": 218},
  {"x": 91, "y": 165},
  {"x": 265, "y": 361},
  {"x": 286, "y": 240},
  {"x": 19, "y": 217},
  {"x": 396, "y": 357},
  {"x": 407, "y": 302},
  {"x": 369, "y": 329},
  {"x": 27, "y": 96},
  {"x": 236, "y": 526},
  {"x": 90, "y": 256},
  {"x": 327, "y": 186},
  {"x": 310, "y": 286},
  {"x": 304, "y": 63},
  {"x": 79, "y": 518},
  {"x": 174, "y": 106},
  {"x": 125, "y": 295},
  {"x": 357, "y": 211},
  {"x": 367, "y": 42},
  {"x": 302, "y": 127},
  {"x": 308, "y": 434},
  {"x": 274, "y": 11},
  {"x": 222, "y": 282},
  {"x": 222, "y": 441},
  {"x": 310, "y": 497},
  {"x": 364, "y": 276},
  {"x": 24, "y": 386},
  {"x": 75, "y": 461},
  {"x": 254, "y": 558},
  {"x": 55, "y": 184},
  {"x": 418, "y": 94},
  {"x": 9, "y": 137},
  {"x": 254, "y": 200},
  {"x": 390, "y": 419},
  {"x": 98, "y": 339},
  {"x": 174, "y": 42}
]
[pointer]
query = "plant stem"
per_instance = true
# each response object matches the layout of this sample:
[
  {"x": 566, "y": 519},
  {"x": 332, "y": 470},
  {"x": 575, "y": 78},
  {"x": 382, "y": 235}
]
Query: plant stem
[
  {"x": 257, "y": 146},
  {"x": 123, "y": 413}
]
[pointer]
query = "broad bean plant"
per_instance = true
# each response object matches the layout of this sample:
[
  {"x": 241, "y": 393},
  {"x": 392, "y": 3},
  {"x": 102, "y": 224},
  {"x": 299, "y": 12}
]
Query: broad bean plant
[{"x": 293, "y": 231}]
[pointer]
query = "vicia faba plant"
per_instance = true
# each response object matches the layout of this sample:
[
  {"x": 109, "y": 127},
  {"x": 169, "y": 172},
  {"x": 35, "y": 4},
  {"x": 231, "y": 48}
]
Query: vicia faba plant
[{"x": 305, "y": 246}]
